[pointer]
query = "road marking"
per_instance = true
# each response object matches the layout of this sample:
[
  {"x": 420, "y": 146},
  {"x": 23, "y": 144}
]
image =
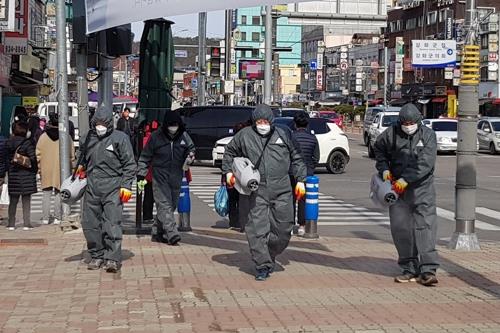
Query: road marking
[
  {"x": 449, "y": 215},
  {"x": 363, "y": 214},
  {"x": 351, "y": 223},
  {"x": 488, "y": 212},
  {"x": 351, "y": 218}
]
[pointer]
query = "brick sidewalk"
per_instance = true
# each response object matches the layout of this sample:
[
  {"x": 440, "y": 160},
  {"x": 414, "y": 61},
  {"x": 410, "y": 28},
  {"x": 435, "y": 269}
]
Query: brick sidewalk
[{"x": 207, "y": 285}]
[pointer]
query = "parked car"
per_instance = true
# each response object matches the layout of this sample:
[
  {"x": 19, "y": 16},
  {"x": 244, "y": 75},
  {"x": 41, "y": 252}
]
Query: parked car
[
  {"x": 370, "y": 115},
  {"x": 333, "y": 117},
  {"x": 333, "y": 144},
  {"x": 446, "y": 133},
  {"x": 380, "y": 123},
  {"x": 488, "y": 134},
  {"x": 207, "y": 124}
]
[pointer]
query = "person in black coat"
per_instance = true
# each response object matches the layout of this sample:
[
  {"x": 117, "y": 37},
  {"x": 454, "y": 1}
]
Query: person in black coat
[
  {"x": 309, "y": 148},
  {"x": 22, "y": 181}
]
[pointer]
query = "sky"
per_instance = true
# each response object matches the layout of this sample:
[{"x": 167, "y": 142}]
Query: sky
[{"x": 187, "y": 25}]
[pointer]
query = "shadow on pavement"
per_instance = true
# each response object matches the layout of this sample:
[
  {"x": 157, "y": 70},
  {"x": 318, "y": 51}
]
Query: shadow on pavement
[
  {"x": 242, "y": 260},
  {"x": 126, "y": 254}
]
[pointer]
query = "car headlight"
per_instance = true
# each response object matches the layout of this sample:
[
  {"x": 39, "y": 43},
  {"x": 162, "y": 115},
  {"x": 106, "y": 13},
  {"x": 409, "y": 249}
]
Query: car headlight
[
  {"x": 497, "y": 135},
  {"x": 444, "y": 140}
]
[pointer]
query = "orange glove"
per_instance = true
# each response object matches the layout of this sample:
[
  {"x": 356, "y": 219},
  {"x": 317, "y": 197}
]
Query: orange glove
[
  {"x": 80, "y": 172},
  {"x": 300, "y": 191},
  {"x": 387, "y": 175},
  {"x": 230, "y": 180},
  {"x": 125, "y": 195},
  {"x": 399, "y": 186}
]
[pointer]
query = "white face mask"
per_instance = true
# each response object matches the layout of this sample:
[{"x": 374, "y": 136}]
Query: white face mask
[
  {"x": 172, "y": 129},
  {"x": 101, "y": 130},
  {"x": 28, "y": 134},
  {"x": 263, "y": 129},
  {"x": 410, "y": 129}
]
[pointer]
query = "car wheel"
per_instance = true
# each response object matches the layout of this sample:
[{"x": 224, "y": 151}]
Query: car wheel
[
  {"x": 336, "y": 162},
  {"x": 371, "y": 153},
  {"x": 493, "y": 151}
]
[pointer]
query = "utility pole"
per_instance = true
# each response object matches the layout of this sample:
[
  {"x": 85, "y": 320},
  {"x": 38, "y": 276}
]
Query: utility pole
[
  {"x": 125, "y": 88},
  {"x": 105, "y": 82},
  {"x": 82, "y": 86},
  {"x": 464, "y": 237},
  {"x": 62, "y": 96},
  {"x": 202, "y": 56},
  {"x": 268, "y": 69},
  {"x": 227, "y": 62},
  {"x": 386, "y": 76}
]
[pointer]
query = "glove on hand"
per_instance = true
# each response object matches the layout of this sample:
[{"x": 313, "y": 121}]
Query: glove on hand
[
  {"x": 141, "y": 184},
  {"x": 387, "y": 175},
  {"x": 190, "y": 159},
  {"x": 80, "y": 172},
  {"x": 125, "y": 195},
  {"x": 399, "y": 186},
  {"x": 230, "y": 180},
  {"x": 300, "y": 191}
]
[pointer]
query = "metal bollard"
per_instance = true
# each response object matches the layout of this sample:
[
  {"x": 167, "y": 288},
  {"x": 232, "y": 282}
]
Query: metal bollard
[
  {"x": 184, "y": 207},
  {"x": 312, "y": 207}
]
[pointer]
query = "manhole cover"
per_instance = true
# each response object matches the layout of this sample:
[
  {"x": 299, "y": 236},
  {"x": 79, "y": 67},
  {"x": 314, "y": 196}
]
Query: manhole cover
[{"x": 23, "y": 242}]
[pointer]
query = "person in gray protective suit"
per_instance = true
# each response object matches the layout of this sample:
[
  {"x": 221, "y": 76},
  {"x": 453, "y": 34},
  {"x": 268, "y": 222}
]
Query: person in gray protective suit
[
  {"x": 168, "y": 150},
  {"x": 110, "y": 168},
  {"x": 406, "y": 155},
  {"x": 270, "y": 220}
]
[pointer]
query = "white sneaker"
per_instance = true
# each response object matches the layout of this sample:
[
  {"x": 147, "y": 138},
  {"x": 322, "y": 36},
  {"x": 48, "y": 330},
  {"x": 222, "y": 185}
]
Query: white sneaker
[
  {"x": 11, "y": 228},
  {"x": 301, "y": 231},
  {"x": 57, "y": 221},
  {"x": 45, "y": 221},
  {"x": 27, "y": 228}
]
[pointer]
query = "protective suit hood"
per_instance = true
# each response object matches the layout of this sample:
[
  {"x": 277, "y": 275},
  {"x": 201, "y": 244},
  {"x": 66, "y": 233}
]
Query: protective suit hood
[
  {"x": 105, "y": 117},
  {"x": 263, "y": 111},
  {"x": 171, "y": 118},
  {"x": 410, "y": 113}
]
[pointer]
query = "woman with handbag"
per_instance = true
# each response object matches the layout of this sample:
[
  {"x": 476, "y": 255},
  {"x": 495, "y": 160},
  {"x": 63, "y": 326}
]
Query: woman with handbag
[{"x": 22, "y": 173}]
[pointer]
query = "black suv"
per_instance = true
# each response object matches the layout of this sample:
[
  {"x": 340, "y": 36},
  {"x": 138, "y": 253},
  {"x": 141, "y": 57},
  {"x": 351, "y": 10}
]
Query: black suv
[{"x": 207, "y": 124}]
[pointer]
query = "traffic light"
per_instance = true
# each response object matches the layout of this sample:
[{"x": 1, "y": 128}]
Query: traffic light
[{"x": 215, "y": 61}]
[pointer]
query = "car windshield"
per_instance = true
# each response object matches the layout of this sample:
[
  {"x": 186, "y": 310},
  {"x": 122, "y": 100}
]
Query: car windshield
[
  {"x": 329, "y": 115},
  {"x": 496, "y": 126},
  {"x": 389, "y": 120},
  {"x": 444, "y": 126}
]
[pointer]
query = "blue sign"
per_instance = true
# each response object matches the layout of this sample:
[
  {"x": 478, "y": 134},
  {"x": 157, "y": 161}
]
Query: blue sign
[
  {"x": 194, "y": 83},
  {"x": 313, "y": 65}
]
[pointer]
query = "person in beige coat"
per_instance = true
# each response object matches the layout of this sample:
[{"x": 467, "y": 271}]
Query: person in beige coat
[{"x": 47, "y": 155}]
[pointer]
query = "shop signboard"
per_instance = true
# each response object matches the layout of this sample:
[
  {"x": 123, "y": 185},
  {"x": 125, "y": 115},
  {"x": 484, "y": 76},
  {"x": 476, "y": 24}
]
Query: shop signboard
[{"x": 434, "y": 53}]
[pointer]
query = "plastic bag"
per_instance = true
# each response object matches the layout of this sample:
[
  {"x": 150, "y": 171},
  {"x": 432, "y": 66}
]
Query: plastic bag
[
  {"x": 221, "y": 201},
  {"x": 4, "y": 197}
]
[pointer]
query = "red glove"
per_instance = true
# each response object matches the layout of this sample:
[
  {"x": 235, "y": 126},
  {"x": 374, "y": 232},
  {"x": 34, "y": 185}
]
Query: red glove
[
  {"x": 230, "y": 180},
  {"x": 80, "y": 173},
  {"x": 125, "y": 195},
  {"x": 399, "y": 186},
  {"x": 300, "y": 191}
]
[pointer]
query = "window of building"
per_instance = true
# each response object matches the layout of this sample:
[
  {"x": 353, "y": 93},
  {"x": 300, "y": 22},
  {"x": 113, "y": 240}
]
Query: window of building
[
  {"x": 243, "y": 20},
  {"x": 255, "y": 37},
  {"x": 432, "y": 17},
  {"x": 255, "y": 53},
  {"x": 255, "y": 20},
  {"x": 484, "y": 41},
  {"x": 243, "y": 36},
  {"x": 411, "y": 23}
]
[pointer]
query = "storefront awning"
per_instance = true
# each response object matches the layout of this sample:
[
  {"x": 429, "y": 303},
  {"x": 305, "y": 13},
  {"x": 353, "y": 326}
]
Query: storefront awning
[
  {"x": 439, "y": 100},
  {"x": 424, "y": 100}
]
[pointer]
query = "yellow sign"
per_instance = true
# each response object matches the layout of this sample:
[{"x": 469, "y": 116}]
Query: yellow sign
[
  {"x": 30, "y": 101},
  {"x": 452, "y": 106}
]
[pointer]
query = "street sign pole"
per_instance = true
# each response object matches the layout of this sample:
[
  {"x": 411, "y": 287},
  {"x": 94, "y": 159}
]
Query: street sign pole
[
  {"x": 268, "y": 69},
  {"x": 202, "y": 55}
]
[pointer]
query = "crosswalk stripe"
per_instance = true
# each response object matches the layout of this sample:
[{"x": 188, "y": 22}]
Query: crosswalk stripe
[
  {"x": 352, "y": 223},
  {"x": 352, "y": 218},
  {"x": 488, "y": 212},
  {"x": 449, "y": 215}
]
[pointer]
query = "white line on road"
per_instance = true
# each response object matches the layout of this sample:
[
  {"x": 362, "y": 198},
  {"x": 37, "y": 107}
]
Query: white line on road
[
  {"x": 352, "y": 223},
  {"x": 364, "y": 214},
  {"x": 353, "y": 218},
  {"x": 449, "y": 215},
  {"x": 488, "y": 212}
]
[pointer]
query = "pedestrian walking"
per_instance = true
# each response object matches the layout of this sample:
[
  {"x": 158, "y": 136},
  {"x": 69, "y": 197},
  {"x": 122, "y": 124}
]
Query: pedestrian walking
[
  {"x": 34, "y": 130},
  {"x": 110, "y": 168},
  {"x": 406, "y": 155},
  {"x": 309, "y": 148},
  {"x": 47, "y": 155},
  {"x": 148, "y": 200},
  {"x": 127, "y": 125},
  {"x": 270, "y": 220},
  {"x": 22, "y": 171},
  {"x": 168, "y": 150}
]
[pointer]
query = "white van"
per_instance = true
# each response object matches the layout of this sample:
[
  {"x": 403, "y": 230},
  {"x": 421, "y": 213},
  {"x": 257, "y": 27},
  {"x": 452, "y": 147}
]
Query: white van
[{"x": 45, "y": 108}]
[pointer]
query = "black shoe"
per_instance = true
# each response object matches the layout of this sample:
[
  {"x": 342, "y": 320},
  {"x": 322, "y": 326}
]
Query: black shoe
[
  {"x": 174, "y": 240},
  {"x": 428, "y": 279},
  {"x": 95, "y": 264},
  {"x": 406, "y": 277},
  {"x": 262, "y": 274},
  {"x": 112, "y": 266}
]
